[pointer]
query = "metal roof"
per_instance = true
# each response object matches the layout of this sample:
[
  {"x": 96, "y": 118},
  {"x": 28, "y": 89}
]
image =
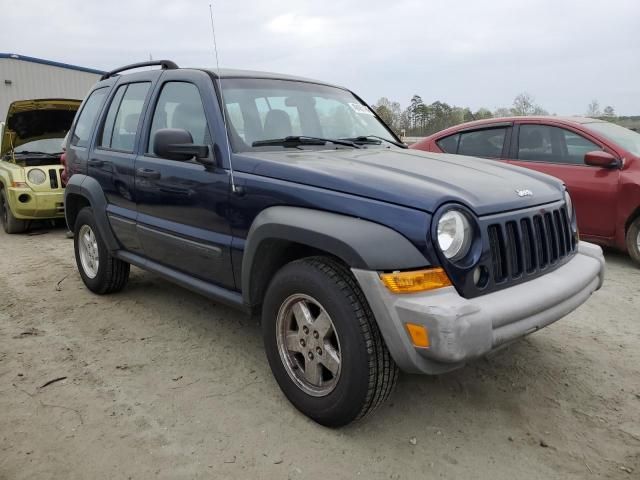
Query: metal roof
[
  {"x": 42, "y": 61},
  {"x": 236, "y": 73}
]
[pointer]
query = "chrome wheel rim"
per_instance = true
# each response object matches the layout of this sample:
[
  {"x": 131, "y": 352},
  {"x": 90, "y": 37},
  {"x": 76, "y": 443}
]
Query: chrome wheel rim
[
  {"x": 638, "y": 241},
  {"x": 88, "y": 250},
  {"x": 308, "y": 345}
]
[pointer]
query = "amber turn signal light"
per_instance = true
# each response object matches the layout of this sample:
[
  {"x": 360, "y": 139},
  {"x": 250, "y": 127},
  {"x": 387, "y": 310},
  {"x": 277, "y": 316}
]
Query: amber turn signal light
[
  {"x": 416, "y": 280},
  {"x": 419, "y": 335}
]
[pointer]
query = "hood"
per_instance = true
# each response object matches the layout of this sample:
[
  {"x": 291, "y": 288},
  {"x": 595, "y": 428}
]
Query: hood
[
  {"x": 29, "y": 120},
  {"x": 410, "y": 178}
]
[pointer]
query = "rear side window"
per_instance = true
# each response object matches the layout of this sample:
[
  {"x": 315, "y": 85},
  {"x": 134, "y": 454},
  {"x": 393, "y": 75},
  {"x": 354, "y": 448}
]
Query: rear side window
[
  {"x": 121, "y": 123},
  {"x": 449, "y": 144},
  {"x": 482, "y": 143},
  {"x": 87, "y": 118},
  {"x": 180, "y": 106}
]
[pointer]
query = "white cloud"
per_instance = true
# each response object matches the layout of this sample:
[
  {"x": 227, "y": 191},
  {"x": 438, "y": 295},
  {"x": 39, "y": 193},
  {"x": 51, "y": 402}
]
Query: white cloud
[{"x": 468, "y": 53}]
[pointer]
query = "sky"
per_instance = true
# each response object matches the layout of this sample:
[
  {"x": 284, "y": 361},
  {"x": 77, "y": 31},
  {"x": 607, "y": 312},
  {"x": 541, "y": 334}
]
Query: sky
[{"x": 565, "y": 53}]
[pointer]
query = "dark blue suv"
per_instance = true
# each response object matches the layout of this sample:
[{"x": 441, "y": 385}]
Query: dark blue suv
[{"x": 291, "y": 199}]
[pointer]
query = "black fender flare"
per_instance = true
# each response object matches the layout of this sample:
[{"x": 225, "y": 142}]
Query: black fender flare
[
  {"x": 89, "y": 188},
  {"x": 359, "y": 243}
]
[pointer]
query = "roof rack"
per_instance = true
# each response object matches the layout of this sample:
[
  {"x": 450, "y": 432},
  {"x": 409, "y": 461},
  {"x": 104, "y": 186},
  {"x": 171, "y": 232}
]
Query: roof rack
[{"x": 165, "y": 64}]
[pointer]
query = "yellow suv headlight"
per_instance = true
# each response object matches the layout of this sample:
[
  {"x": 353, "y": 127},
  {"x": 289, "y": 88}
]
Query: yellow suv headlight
[{"x": 36, "y": 176}]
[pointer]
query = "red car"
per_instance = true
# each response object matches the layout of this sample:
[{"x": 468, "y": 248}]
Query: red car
[{"x": 598, "y": 161}]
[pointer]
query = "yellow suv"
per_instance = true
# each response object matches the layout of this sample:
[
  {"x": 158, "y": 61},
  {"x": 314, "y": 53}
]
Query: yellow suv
[{"x": 30, "y": 183}]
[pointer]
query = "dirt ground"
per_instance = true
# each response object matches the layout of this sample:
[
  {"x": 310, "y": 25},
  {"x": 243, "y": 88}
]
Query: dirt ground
[{"x": 162, "y": 383}]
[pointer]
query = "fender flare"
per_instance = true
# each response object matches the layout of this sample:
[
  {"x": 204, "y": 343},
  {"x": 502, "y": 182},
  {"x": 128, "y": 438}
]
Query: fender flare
[
  {"x": 89, "y": 188},
  {"x": 359, "y": 243}
]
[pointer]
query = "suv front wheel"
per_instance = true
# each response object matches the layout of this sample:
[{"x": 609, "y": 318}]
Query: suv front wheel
[
  {"x": 323, "y": 343},
  {"x": 10, "y": 223},
  {"x": 101, "y": 272}
]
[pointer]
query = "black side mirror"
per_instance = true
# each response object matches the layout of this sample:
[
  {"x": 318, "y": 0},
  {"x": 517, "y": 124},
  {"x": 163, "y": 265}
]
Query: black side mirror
[{"x": 177, "y": 144}]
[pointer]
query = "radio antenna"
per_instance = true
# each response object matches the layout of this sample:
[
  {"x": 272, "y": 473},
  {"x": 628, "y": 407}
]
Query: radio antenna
[{"x": 223, "y": 107}]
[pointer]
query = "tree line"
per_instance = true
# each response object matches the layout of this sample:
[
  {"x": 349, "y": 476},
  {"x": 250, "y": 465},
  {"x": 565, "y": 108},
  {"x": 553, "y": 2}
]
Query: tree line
[{"x": 420, "y": 119}]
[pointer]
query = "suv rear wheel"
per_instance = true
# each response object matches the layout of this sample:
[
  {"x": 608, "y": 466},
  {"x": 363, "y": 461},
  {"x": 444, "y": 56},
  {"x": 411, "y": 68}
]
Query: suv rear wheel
[
  {"x": 100, "y": 271},
  {"x": 323, "y": 343},
  {"x": 633, "y": 240},
  {"x": 10, "y": 223}
]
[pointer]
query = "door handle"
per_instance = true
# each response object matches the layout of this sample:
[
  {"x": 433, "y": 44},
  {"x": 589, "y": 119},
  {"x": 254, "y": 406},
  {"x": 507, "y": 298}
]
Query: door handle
[
  {"x": 148, "y": 173},
  {"x": 96, "y": 163}
]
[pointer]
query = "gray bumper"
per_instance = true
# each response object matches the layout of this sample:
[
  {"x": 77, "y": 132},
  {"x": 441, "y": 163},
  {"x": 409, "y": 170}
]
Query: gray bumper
[{"x": 461, "y": 329}]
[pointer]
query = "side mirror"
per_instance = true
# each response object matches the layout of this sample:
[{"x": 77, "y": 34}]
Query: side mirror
[
  {"x": 177, "y": 144},
  {"x": 599, "y": 158}
]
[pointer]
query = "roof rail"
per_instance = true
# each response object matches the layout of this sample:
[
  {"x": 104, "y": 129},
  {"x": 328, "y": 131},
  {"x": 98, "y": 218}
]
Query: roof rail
[{"x": 165, "y": 64}]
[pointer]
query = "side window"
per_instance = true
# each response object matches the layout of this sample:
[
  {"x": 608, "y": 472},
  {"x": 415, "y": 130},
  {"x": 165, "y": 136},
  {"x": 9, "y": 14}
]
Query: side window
[
  {"x": 107, "y": 129},
  {"x": 121, "y": 124},
  {"x": 180, "y": 106},
  {"x": 544, "y": 143},
  {"x": 536, "y": 143},
  {"x": 482, "y": 143},
  {"x": 82, "y": 130},
  {"x": 449, "y": 144},
  {"x": 577, "y": 146}
]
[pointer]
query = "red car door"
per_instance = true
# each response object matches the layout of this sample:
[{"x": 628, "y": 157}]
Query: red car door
[{"x": 559, "y": 151}]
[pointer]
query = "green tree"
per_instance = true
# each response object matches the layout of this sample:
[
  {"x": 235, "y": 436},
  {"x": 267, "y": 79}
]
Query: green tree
[{"x": 609, "y": 111}]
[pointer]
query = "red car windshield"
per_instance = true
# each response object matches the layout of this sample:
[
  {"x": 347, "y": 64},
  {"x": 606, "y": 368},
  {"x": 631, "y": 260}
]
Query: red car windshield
[{"x": 627, "y": 139}]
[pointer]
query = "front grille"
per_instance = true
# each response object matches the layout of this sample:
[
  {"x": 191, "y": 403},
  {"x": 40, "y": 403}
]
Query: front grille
[
  {"x": 53, "y": 178},
  {"x": 527, "y": 245}
]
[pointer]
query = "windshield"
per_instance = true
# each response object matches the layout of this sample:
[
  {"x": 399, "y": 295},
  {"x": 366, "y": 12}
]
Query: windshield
[
  {"x": 627, "y": 139},
  {"x": 46, "y": 145},
  {"x": 265, "y": 109}
]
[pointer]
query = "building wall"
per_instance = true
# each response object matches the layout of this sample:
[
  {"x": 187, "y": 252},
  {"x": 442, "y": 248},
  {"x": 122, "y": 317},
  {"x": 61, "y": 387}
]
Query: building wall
[{"x": 30, "y": 80}]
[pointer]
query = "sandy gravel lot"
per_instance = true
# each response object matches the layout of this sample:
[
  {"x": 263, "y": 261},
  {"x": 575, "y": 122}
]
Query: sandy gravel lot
[{"x": 162, "y": 383}]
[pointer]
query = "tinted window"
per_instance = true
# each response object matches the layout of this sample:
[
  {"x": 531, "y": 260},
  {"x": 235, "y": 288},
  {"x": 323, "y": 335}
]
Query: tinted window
[
  {"x": 180, "y": 106},
  {"x": 449, "y": 144},
  {"x": 544, "y": 143},
  {"x": 107, "y": 129},
  {"x": 482, "y": 143},
  {"x": 82, "y": 131},
  {"x": 121, "y": 133}
]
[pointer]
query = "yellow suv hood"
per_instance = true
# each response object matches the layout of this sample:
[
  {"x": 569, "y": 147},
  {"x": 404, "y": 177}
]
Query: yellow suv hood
[{"x": 29, "y": 120}]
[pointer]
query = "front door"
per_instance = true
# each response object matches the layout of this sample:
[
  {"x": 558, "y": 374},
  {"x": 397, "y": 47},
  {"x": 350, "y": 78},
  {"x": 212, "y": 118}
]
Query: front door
[
  {"x": 559, "y": 152},
  {"x": 182, "y": 205}
]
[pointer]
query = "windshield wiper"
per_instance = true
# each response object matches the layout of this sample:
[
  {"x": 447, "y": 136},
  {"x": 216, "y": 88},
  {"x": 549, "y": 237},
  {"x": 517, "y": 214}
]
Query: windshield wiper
[
  {"x": 297, "y": 140},
  {"x": 369, "y": 139},
  {"x": 28, "y": 152}
]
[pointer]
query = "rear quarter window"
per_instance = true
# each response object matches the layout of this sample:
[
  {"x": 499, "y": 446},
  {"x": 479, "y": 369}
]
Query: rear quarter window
[
  {"x": 449, "y": 144},
  {"x": 87, "y": 117}
]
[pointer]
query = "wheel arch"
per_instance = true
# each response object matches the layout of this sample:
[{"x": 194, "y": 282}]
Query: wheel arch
[
  {"x": 282, "y": 234},
  {"x": 84, "y": 191}
]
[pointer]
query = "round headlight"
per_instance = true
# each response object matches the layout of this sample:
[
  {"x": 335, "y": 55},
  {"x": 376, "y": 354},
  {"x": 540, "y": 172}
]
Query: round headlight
[
  {"x": 454, "y": 234},
  {"x": 36, "y": 176},
  {"x": 567, "y": 199}
]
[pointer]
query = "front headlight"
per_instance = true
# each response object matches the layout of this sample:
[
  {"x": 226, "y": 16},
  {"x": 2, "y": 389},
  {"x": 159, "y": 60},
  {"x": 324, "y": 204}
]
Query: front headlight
[
  {"x": 454, "y": 235},
  {"x": 36, "y": 176},
  {"x": 567, "y": 199}
]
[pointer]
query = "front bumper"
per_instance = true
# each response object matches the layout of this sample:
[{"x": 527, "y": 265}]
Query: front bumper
[
  {"x": 461, "y": 329},
  {"x": 27, "y": 204}
]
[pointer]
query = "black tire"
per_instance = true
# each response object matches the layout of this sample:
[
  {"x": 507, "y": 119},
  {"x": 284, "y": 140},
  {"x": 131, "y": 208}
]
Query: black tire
[
  {"x": 368, "y": 374},
  {"x": 10, "y": 223},
  {"x": 633, "y": 240},
  {"x": 111, "y": 273}
]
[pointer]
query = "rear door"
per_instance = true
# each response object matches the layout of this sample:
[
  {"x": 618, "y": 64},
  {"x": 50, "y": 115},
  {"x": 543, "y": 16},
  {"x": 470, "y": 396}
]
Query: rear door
[
  {"x": 182, "y": 206},
  {"x": 559, "y": 151},
  {"x": 112, "y": 160}
]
